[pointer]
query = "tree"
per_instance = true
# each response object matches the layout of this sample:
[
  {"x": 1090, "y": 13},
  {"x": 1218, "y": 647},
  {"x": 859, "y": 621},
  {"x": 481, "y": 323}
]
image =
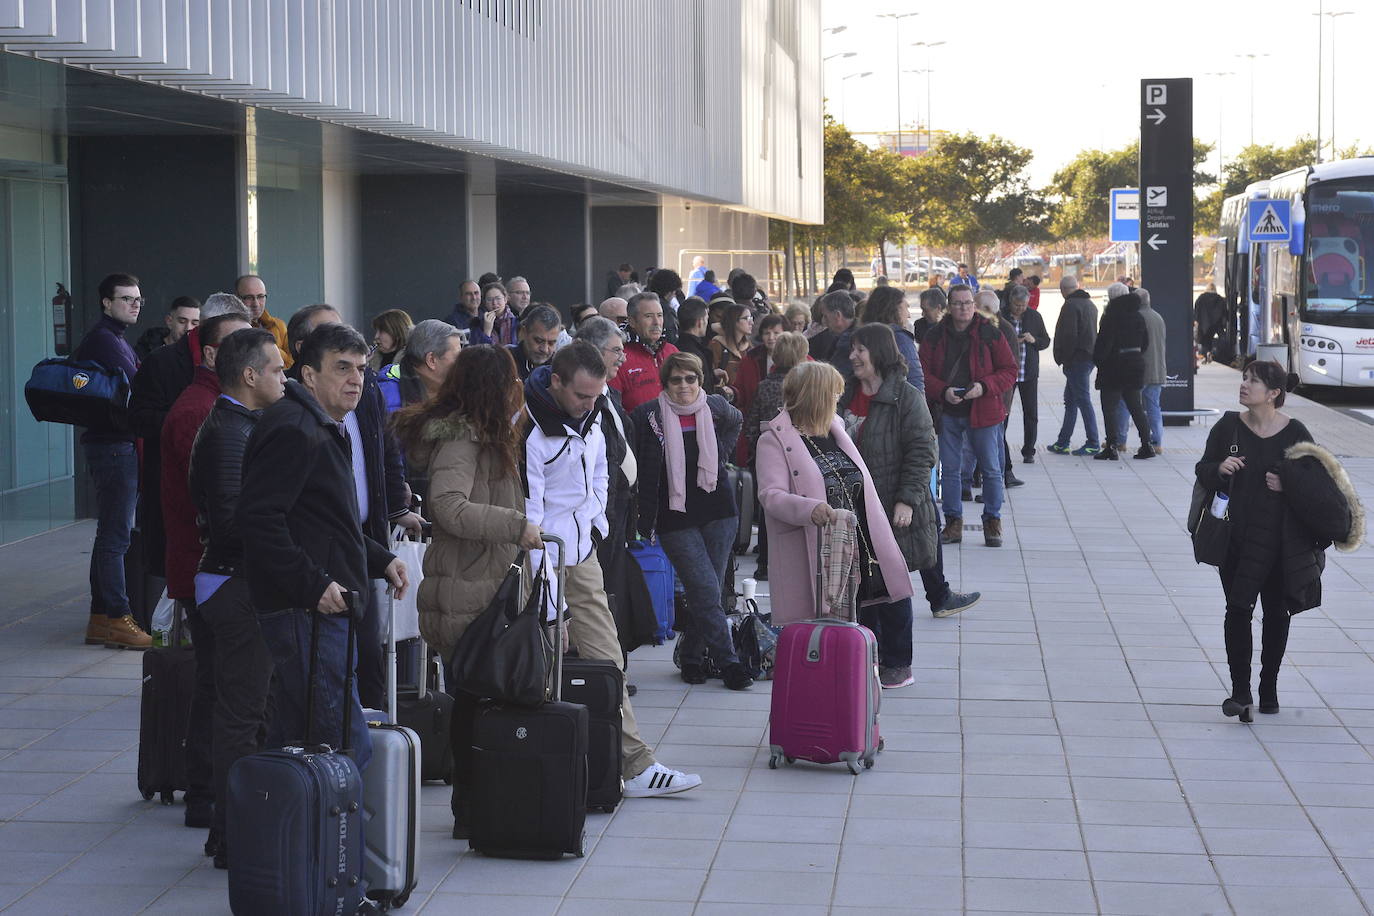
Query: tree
[
  {"x": 969, "y": 191},
  {"x": 1082, "y": 188},
  {"x": 866, "y": 190},
  {"x": 1258, "y": 162}
]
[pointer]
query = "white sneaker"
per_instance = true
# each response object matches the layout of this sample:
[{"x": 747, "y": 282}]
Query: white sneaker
[{"x": 659, "y": 780}]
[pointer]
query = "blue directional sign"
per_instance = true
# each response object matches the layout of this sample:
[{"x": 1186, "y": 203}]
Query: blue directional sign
[
  {"x": 1125, "y": 215},
  {"x": 1270, "y": 220}
]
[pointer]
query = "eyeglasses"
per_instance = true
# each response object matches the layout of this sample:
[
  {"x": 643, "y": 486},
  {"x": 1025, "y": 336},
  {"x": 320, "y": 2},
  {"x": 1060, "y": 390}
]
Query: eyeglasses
[
  {"x": 128, "y": 300},
  {"x": 682, "y": 379},
  {"x": 258, "y": 297},
  {"x": 615, "y": 351}
]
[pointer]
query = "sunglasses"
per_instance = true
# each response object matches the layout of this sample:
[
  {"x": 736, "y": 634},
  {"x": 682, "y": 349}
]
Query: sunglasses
[{"x": 682, "y": 379}]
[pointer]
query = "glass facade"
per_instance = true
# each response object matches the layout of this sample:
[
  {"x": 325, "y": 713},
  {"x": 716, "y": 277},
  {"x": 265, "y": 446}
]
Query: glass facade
[{"x": 36, "y": 460}]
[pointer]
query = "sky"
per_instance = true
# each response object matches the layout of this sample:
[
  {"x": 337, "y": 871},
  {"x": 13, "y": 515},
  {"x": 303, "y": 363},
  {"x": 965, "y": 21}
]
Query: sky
[{"x": 1061, "y": 76}]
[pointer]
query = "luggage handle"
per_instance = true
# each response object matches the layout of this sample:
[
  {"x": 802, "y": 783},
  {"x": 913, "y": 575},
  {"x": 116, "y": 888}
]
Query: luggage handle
[
  {"x": 560, "y": 570},
  {"x": 348, "y": 679},
  {"x": 852, "y": 594}
]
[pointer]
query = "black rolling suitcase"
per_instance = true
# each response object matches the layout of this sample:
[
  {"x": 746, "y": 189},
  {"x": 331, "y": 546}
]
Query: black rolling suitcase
[
  {"x": 742, "y": 482},
  {"x": 529, "y": 779},
  {"x": 169, "y": 680},
  {"x": 598, "y": 685},
  {"x": 295, "y": 822},
  {"x": 428, "y": 711}
]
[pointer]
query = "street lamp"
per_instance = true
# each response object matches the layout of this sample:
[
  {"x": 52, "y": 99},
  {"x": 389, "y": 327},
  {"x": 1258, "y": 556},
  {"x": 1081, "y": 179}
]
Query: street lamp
[
  {"x": 897, "y": 22},
  {"x": 839, "y": 54},
  {"x": 928, "y": 71},
  {"x": 1333, "y": 17},
  {"x": 1251, "y": 58},
  {"x": 844, "y": 97},
  {"x": 835, "y": 30},
  {"x": 918, "y": 72},
  {"x": 1221, "y": 112}
]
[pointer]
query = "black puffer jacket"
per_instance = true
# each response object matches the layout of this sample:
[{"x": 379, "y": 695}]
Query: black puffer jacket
[
  {"x": 1122, "y": 340},
  {"x": 649, "y": 451},
  {"x": 216, "y": 479}
]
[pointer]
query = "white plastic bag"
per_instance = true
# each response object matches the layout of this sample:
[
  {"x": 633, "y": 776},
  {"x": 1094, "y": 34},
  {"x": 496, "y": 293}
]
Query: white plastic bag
[
  {"x": 163, "y": 616},
  {"x": 412, "y": 553}
]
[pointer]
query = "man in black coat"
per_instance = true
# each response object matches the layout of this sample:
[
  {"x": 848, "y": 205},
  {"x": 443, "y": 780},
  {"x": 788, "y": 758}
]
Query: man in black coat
[
  {"x": 250, "y": 371},
  {"x": 1030, "y": 331},
  {"x": 161, "y": 379},
  {"x": 1209, "y": 315},
  {"x": 383, "y": 496},
  {"x": 307, "y": 553}
]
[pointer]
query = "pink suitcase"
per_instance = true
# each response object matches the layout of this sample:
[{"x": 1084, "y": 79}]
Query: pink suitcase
[{"x": 825, "y": 694}]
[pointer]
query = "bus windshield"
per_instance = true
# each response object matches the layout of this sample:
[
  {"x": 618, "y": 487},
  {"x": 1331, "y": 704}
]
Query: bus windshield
[{"x": 1339, "y": 275}]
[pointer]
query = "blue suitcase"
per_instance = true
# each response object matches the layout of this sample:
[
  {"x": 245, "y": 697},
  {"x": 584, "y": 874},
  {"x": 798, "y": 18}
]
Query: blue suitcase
[
  {"x": 294, "y": 824},
  {"x": 659, "y": 577}
]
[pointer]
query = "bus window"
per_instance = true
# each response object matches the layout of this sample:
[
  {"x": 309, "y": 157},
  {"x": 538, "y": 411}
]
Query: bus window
[{"x": 1340, "y": 239}]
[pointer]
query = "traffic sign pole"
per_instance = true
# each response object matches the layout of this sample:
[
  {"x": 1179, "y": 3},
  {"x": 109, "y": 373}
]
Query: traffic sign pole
[{"x": 1166, "y": 227}]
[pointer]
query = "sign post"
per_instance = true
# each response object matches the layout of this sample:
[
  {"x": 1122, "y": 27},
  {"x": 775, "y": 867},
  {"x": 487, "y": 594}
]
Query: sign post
[{"x": 1166, "y": 228}]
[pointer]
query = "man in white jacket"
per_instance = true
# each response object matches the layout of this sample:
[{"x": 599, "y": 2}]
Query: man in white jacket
[{"x": 565, "y": 485}]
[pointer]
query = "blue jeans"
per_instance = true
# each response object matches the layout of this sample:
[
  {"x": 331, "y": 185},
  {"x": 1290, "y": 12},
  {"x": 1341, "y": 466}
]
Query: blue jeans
[
  {"x": 891, "y": 624},
  {"x": 1078, "y": 399},
  {"x": 287, "y": 634},
  {"x": 700, "y": 557},
  {"x": 987, "y": 446},
  {"x": 1149, "y": 398},
  {"x": 114, "y": 471}
]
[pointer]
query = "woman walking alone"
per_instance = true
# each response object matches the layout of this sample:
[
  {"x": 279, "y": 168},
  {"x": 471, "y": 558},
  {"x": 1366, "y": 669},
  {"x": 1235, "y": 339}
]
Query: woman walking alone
[{"x": 1288, "y": 499}]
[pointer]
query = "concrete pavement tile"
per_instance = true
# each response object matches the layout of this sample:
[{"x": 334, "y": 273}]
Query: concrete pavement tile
[
  {"x": 1028, "y": 895},
  {"x": 37, "y": 837},
  {"x": 913, "y": 834},
  {"x": 767, "y": 828},
  {"x": 938, "y": 861},
  {"x": 1241, "y": 841},
  {"x": 1150, "y": 899},
  {"x": 768, "y": 887},
  {"x": 1268, "y": 817},
  {"x": 1239, "y": 792},
  {"x": 1134, "y": 813},
  {"x": 818, "y": 804},
  {"x": 905, "y": 891},
  {"x": 930, "y": 807},
  {"x": 1027, "y": 765},
  {"x": 1112, "y": 838},
  {"x": 988, "y": 786},
  {"x": 1124, "y": 789},
  {"x": 777, "y": 909},
  {"x": 663, "y": 884},
  {"x": 653, "y": 852},
  {"x": 1168, "y": 868},
  {"x": 1121, "y": 767},
  {"x": 1036, "y": 835},
  {"x": 1329, "y": 901},
  {"x": 1049, "y": 864},
  {"x": 876, "y": 782},
  {"x": 1279, "y": 871},
  {"x": 513, "y": 905},
  {"x": 50, "y": 899},
  {"x": 628, "y": 822},
  {"x": 1020, "y": 810},
  {"x": 480, "y": 876},
  {"x": 787, "y": 857}
]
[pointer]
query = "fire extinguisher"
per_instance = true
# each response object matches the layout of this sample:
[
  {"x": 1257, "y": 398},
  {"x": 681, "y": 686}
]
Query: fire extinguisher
[{"x": 62, "y": 321}]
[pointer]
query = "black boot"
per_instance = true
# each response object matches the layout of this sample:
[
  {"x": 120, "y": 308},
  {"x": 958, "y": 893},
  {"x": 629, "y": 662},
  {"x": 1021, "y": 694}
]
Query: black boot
[
  {"x": 1269, "y": 693},
  {"x": 1240, "y": 702}
]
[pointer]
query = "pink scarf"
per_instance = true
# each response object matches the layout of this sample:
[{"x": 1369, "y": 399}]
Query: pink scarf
[{"x": 674, "y": 452}]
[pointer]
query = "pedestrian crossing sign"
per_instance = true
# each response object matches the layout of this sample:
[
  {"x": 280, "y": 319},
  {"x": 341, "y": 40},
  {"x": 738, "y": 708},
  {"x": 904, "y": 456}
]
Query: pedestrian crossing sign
[{"x": 1270, "y": 220}]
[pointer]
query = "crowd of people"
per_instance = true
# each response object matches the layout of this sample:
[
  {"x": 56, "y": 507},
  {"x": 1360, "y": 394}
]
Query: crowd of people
[{"x": 277, "y": 457}]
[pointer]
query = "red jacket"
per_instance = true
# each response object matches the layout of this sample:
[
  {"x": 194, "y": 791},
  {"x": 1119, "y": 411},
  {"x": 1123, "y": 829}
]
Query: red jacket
[
  {"x": 748, "y": 374},
  {"x": 990, "y": 363},
  {"x": 178, "y": 511},
  {"x": 637, "y": 381}
]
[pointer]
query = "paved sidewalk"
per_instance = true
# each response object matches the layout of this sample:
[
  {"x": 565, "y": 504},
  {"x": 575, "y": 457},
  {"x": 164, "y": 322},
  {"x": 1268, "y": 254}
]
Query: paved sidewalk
[{"x": 1062, "y": 750}]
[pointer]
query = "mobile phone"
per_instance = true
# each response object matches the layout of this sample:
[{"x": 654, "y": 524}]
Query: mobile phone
[{"x": 959, "y": 391}]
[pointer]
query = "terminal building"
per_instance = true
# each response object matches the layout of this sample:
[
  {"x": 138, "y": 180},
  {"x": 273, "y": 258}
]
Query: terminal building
[{"x": 372, "y": 155}]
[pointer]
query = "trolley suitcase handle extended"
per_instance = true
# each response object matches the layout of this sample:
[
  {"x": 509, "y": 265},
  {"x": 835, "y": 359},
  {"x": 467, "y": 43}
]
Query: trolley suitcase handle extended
[{"x": 560, "y": 573}]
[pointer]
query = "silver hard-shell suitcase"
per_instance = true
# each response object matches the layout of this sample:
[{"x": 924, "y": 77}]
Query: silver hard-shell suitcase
[{"x": 391, "y": 802}]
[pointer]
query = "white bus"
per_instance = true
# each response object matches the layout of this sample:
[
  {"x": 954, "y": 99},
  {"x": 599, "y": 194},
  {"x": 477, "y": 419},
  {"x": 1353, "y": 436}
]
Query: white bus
[
  {"x": 1235, "y": 277},
  {"x": 1319, "y": 288}
]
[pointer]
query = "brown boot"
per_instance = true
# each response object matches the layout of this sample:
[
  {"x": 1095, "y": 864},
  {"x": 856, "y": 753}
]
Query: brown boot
[
  {"x": 125, "y": 633},
  {"x": 992, "y": 531},
  {"x": 954, "y": 531},
  {"x": 97, "y": 630}
]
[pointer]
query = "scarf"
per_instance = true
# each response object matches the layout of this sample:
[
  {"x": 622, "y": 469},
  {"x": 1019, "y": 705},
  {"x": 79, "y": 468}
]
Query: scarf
[
  {"x": 839, "y": 572},
  {"x": 674, "y": 452}
]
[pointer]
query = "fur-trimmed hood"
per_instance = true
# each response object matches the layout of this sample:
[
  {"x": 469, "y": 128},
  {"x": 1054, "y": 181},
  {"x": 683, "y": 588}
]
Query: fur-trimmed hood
[
  {"x": 1309, "y": 492},
  {"x": 435, "y": 433}
]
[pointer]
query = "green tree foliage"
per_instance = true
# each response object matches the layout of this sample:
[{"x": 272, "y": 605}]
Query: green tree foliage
[
  {"x": 866, "y": 190},
  {"x": 1081, "y": 189},
  {"x": 1260, "y": 161},
  {"x": 969, "y": 191}
]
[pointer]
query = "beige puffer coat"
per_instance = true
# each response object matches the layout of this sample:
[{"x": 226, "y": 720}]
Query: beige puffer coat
[{"x": 478, "y": 510}]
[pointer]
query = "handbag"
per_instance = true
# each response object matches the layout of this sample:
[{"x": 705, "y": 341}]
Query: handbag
[
  {"x": 1211, "y": 535},
  {"x": 504, "y": 654},
  {"x": 78, "y": 393}
]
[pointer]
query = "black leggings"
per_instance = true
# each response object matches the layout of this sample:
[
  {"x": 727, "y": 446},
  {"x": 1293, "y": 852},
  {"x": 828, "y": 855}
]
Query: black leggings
[
  {"x": 1111, "y": 403},
  {"x": 1240, "y": 641}
]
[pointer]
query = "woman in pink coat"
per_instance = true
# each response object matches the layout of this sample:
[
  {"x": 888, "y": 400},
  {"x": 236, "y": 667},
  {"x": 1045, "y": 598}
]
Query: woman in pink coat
[{"x": 797, "y": 451}]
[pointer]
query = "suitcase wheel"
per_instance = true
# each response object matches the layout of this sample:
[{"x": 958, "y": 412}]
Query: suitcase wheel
[
  {"x": 776, "y": 758},
  {"x": 147, "y": 796},
  {"x": 868, "y": 763},
  {"x": 853, "y": 767},
  {"x": 169, "y": 798},
  {"x": 581, "y": 849}
]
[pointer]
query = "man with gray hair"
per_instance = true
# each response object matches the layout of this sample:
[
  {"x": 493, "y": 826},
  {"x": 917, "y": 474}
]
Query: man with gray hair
[
  {"x": 645, "y": 350},
  {"x": 431, "y": 347},
  {"x": 517, "y": 295},
  {"x": 161, "y": 378},
  {"x": 1030, "y": 332},
  {"x": 1075, "y": 334},
  {"x": 616, "y": 309},
  {"x": 832, "y": 344},
  {"x": 1156, "y": 373}
]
